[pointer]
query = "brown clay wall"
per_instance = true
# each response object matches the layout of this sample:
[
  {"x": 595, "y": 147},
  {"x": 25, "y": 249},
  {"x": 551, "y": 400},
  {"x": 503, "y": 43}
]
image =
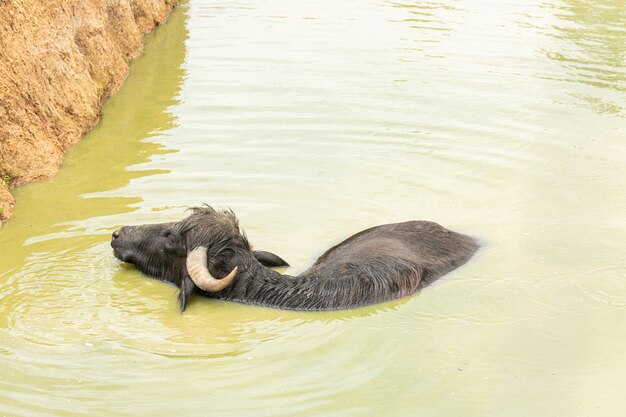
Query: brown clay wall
[{"x": 59, "y": 61}]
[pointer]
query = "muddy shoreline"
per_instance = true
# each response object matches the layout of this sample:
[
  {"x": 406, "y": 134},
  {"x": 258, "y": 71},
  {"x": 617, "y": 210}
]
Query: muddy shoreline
[{"x": 59, "y": 62}]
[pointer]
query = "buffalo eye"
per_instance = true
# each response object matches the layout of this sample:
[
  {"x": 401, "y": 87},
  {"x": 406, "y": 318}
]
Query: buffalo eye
[{"x": 172, "y": 243}]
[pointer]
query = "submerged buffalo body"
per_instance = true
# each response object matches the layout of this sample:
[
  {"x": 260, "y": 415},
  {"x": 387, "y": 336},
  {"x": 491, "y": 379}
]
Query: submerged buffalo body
[{"x": 208, "y": 253}]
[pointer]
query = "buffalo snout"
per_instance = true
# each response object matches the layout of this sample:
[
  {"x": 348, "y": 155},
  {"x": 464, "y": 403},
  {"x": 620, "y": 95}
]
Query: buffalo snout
[{"x": 121, "y": 247}]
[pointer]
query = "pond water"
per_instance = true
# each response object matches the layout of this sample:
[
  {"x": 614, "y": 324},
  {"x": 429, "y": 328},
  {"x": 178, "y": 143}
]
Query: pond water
[{"x": 501, "y": 119}]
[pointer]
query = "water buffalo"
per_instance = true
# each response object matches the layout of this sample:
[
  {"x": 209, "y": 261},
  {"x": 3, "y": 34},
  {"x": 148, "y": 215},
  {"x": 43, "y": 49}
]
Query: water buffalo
[{"x": 208, "y": 252}]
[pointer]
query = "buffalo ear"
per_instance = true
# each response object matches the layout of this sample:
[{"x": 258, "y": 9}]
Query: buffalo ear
[
  {"x": 187, "y": 288},
  {"x": 269, "y": 259}
]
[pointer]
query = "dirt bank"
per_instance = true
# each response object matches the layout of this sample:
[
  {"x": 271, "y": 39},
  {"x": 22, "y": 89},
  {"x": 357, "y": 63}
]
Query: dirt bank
[{"x": 59, "y": 61}]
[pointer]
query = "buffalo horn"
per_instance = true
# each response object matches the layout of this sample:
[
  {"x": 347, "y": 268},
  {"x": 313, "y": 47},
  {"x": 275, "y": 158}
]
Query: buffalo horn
[{"x": 200, "y": 275}]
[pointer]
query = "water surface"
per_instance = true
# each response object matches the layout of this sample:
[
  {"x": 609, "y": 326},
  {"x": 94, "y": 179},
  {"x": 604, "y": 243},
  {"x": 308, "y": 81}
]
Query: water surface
[{"x": 503, "y": 120}]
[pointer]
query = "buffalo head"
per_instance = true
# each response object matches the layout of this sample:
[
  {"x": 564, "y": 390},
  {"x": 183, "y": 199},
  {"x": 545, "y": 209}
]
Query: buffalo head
[{"x": 185, "y": 252}]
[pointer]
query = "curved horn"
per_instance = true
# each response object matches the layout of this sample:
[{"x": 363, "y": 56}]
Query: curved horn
[{"x": 200, "y": 275}]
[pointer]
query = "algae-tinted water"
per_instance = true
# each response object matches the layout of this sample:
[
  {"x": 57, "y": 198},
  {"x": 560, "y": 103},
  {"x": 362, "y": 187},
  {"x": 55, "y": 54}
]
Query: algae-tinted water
[{"x": 504, "y": 120}]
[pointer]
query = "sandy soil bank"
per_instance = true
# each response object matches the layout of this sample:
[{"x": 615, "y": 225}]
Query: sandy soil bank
[{"x": 59, "y": 61}]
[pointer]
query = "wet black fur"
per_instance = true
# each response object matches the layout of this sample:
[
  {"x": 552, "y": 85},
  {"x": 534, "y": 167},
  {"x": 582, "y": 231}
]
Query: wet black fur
[{"x": 378, "y": 264}]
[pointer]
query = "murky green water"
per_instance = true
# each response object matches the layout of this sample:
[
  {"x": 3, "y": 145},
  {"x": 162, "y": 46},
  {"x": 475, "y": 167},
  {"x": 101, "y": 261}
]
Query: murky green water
[{"x": 504, "y": 120}]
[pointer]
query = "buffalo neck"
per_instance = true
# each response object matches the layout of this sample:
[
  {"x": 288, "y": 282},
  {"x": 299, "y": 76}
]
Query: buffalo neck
[
  {"x": 314, "y": 289},
  {"x": 260, "y": 285}
]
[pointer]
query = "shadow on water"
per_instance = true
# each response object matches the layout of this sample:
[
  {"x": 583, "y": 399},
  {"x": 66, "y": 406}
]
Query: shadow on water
[
  {"x": 127, "y": 135},
  {"x": 593, "y": 51},
  {"x": 212, "y": 328}
]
